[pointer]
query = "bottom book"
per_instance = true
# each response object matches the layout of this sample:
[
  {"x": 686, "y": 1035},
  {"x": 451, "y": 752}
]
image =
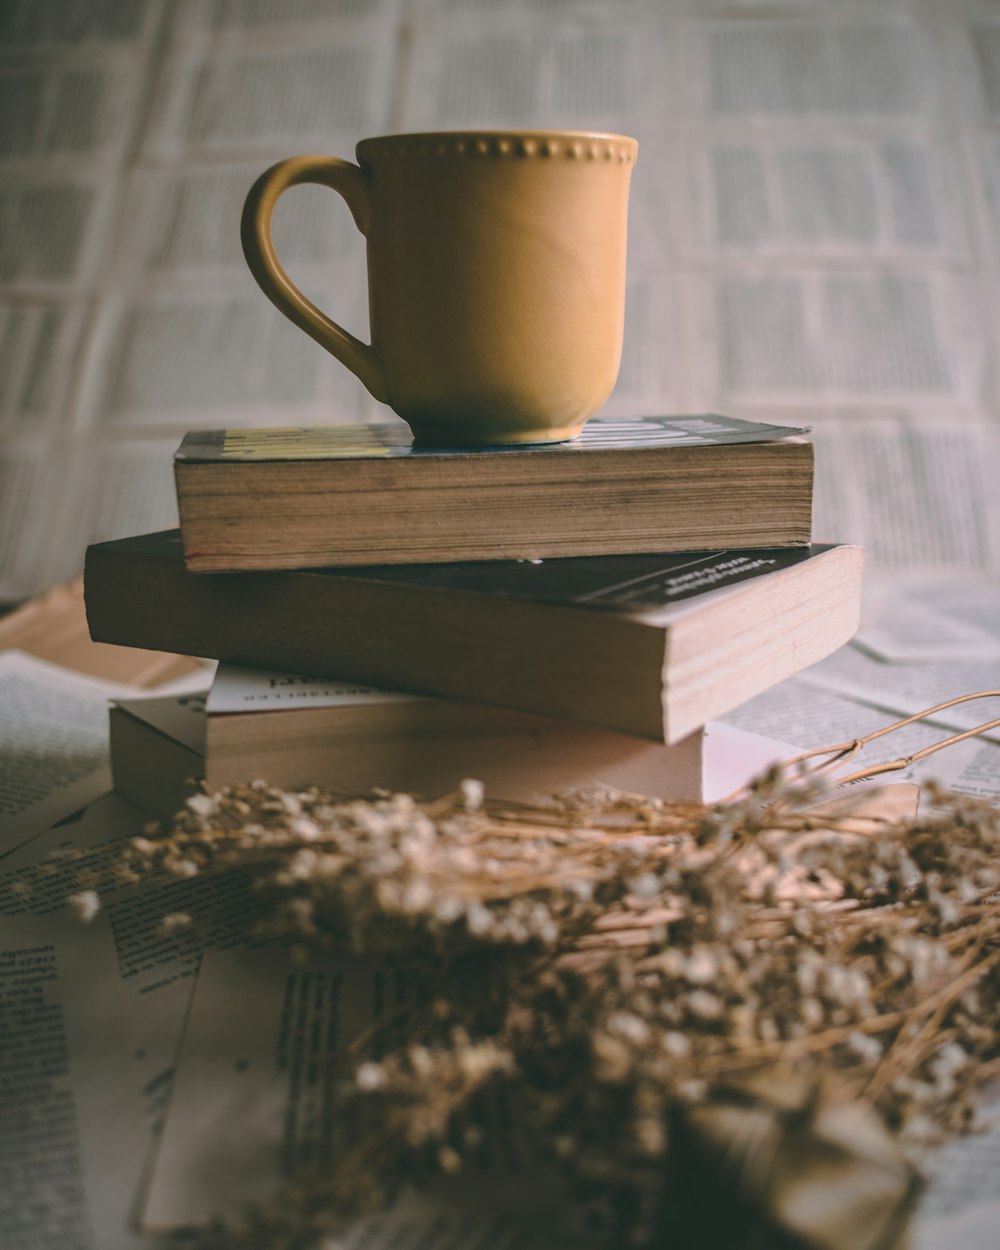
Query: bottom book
[{"x": 295, "y": 731}]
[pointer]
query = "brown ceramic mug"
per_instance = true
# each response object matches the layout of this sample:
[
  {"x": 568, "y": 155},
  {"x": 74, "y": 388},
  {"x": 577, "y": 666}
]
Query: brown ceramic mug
[{"x": 496, "y": 275}]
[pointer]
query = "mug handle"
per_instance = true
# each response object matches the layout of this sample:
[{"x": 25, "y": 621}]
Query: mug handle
[{"x": 258, "y": 248}]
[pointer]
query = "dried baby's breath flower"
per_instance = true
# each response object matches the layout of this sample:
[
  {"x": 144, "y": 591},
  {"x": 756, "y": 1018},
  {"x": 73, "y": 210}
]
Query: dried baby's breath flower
[
  {"x": 175, "y": 922},
  {"x": 85, "y": 905},
  {"x": 472, "y": 793},
  {"x": 602, "y": 967}
]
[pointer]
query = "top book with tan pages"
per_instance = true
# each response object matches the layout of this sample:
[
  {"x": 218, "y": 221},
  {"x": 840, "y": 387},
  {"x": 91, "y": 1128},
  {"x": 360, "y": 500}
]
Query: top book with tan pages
[{"x": 366, "y": 494}]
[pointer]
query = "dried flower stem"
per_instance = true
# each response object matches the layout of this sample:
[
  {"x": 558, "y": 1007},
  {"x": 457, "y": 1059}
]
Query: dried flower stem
[
  {"x": 843, "y": 752},
  {"x": 908, "y": 1044}
]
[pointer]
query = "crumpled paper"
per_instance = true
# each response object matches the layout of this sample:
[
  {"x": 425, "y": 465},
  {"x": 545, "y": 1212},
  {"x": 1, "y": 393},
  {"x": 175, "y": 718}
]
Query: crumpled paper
[{"x": 775, "y": 1163}]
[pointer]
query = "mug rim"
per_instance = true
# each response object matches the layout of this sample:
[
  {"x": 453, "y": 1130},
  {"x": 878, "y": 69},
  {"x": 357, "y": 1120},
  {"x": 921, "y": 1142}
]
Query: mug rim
[{"x": 500, "y": 142}]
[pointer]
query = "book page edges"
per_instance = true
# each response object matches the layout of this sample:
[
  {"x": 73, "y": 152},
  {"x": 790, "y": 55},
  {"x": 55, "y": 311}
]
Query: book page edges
[{"x": 793, "y": 620}]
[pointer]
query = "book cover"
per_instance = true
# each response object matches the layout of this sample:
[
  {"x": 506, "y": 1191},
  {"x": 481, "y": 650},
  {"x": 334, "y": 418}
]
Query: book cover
[
  {"x": 394, "y": 441},
  {"x": 656, "y": 581},
  {"x": 237, "y": 688}
]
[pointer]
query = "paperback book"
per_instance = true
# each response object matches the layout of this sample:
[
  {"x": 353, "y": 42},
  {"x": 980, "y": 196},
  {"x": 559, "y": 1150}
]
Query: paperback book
[
  {"x": 653, "y": 646},
  {"x": 296, "y": 731},
  {"x": 345, "y": 495}
]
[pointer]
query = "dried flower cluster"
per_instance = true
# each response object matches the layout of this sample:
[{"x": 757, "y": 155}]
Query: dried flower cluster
[
  {"x": 398, "y": 877},
  {"x": 646, "y": 974}
]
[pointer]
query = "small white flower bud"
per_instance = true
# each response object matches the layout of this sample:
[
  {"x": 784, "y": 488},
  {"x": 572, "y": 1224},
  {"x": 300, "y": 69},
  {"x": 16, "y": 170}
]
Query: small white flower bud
[
  {"x": 472, "y": 794},
  {"x": 85, "y": 905}
]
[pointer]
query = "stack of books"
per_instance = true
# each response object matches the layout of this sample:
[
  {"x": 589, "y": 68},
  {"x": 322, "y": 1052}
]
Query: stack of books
[{"x": 540, "y": 618}]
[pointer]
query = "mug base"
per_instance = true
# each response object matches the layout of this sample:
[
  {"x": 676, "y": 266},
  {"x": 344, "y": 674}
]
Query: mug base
[{"x": 466, "y": 434}]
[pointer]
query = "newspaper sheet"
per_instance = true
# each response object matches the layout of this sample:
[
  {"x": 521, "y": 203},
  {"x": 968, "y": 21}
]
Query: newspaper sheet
[
  {"x": 70, "y": 1093},
  {"x": 954, "y": 618},
  {"x": 53, "y": 744},
  {"x": 243, "y": 1108},
  {"x": 907, "y": 689},
  {"x": 961, "y": 1206},
  {"x": 54, "y": 756},
  {"x": 154, "y": 963},
  {"x": 253, "y": 1098},
  {"x": 220, "y": 908}
]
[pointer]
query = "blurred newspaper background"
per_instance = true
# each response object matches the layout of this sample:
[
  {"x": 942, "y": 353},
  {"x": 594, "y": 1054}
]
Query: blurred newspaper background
[{"x": 815, "y": 238}]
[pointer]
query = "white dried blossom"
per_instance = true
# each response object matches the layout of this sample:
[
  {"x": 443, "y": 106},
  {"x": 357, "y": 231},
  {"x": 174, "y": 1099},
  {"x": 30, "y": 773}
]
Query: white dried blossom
[
  {"x": 300, "y": 867},
  {"x": 417, "y": 895},
  {"x": 811, "y": 1013},
  {"x": 416, "y": 846},
  {"x": 204, "y": 805},
  {"x": 368, "y": 819},
  {"x": 948, "y": 908},
  {"x": 650, "y": 1136},
  {"x": 388, "y": 894},
  {"x": 472, "y": 794},
  {"x": 174, "y": 922},
  {"x": 702, "y": 966},
  {"x": 85, "y": 905},
  {"x": 478, "y": 1061},
  {"x": 292, "y": 804},
  {"x": 402, "y": 806},
  {"x": 304, "y": 829},
  {"x": 925, "y": 958},
  {"x": 946, "y": 1065},
  {"x": 463, "y": 859},
  {"x": 807, "y": 972},
  {"x": 182, "y": 868},
  {"x": 478, "y": 918},
  {"x": 421, "y": 1060},
  {"x": 629, "y": 1026},
  {"x": 847, "y": 986},
  {"x": 867, "y": 1048},
  {"x": 677, "y": 1045},
  {"x": 449, "y": 1160},
  {"x": 613, "y": 1056},
  {"x": 673, "y": 963},
  {"x": 448, "y": 908},
  {"x": 704, "y": 1005},
  {"x": 370, "y": 1077},
  {"x": 921, "y": 1131},
  {"x": 645, "y": 886}
]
